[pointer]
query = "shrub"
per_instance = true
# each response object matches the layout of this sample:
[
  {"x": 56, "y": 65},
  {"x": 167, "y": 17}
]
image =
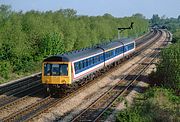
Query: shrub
[
  {"x": 168, "y": 70},
  {"x": 158, "y": 104},
  {"x": 5, "y": 69}
]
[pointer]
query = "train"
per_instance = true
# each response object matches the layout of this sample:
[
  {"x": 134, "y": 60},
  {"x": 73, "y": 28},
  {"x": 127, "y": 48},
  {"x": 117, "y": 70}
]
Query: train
[{"x": 69, "y": 68}]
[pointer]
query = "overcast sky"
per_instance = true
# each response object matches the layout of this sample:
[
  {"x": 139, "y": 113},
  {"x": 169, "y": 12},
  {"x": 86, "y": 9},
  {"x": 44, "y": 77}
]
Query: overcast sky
[{"x": 118, "y": 8}]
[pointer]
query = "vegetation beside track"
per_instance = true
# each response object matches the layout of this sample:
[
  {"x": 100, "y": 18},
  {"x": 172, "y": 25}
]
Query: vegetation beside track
[
  {"x": 156, "y": 105},
  {"x": 161, "y": 102},
  {"x": 27, "y": 38}
]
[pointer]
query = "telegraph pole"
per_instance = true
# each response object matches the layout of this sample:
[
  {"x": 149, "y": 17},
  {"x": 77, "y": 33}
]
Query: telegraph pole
[{"x": 122, "y": 29}]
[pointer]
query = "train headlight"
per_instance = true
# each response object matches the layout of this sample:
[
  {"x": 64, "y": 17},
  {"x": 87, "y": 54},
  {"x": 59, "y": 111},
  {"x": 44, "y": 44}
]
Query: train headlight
[
  {"x": 47, "y": 80},
  {"x": 63, "y": 81}
]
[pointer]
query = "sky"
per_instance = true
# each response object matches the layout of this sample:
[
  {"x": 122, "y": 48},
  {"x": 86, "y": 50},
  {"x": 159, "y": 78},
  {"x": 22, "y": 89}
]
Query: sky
[{"x": 117, "y": 8}]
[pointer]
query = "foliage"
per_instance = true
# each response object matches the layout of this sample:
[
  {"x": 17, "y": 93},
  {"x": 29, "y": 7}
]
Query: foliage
[
  {"x": 5, "y": 69},
  {"x": 155, "y": 19},
  {"x": 157, "y": 104},
  {"x": 168, "y": 69},
  {"x": 172, "y": 24},
  {"x": 176, "y": 36}
]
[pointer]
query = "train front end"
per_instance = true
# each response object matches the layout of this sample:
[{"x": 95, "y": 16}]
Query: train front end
[{"x": 56, "y": 73}]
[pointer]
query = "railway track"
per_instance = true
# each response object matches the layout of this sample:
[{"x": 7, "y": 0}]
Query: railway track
[
  {"x": 33, "y": 110},
  {"x": 95, "y": 111},
  {"x": 9, "y": 88},
  {"x": 18, "y": 90},
  {"x": 149, "y": 36}
]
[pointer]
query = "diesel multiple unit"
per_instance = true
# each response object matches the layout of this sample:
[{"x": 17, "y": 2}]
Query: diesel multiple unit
[{"x": 70, "y": 67}]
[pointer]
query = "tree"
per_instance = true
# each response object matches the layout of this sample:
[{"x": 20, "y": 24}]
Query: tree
[
  {"x": 5, "y": 11},
  {"x": 179, "y": 18},
  {"x": 155, "y": 19},
  {"x": 139, "y": 15}
]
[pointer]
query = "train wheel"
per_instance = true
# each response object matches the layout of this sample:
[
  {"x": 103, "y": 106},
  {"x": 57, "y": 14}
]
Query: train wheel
[{"x": 47, "y": 90}]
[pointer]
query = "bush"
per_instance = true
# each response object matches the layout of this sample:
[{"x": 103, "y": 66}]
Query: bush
[
  {"x": 128, "y": 116},
  {"x": 158, "y": 104},
  {"x": 5, "y": 69},
  {"x": 168, "y": 70}
]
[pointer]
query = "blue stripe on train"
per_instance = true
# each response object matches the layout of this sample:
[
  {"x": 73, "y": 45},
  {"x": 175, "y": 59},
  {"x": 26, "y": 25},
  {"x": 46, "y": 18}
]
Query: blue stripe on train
[{"x": 85, "y": 64}]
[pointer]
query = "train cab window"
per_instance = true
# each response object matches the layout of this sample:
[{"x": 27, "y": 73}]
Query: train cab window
[
  {"x": 63, "y": 70},
  {"x": 55, "y": 69},
  {"x": 47, "y": 69}
]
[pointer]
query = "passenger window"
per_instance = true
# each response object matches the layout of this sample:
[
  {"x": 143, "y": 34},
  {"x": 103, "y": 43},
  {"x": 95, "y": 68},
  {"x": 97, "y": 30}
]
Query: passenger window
[
  {"x": 87, "y": 64},
  {"x": 102, "y": 58},
  {"x": 93, "y": 60},
  {"x": 96, "y": 59},
  {"x": 99, "y": 58},
  {"x": 89, "y": 61},
  {"x": 82, "y": 64},
  {"x": 76, "y": 66},
  {"x": 126, "y": 48}
]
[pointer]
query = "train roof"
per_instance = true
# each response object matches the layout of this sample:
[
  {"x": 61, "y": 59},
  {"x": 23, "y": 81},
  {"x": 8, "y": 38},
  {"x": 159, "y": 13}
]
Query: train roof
[
  {"x": 116, "y": 43},
  {"x": 74, "y": 55},
  {"x": 79, "y": 54}
]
